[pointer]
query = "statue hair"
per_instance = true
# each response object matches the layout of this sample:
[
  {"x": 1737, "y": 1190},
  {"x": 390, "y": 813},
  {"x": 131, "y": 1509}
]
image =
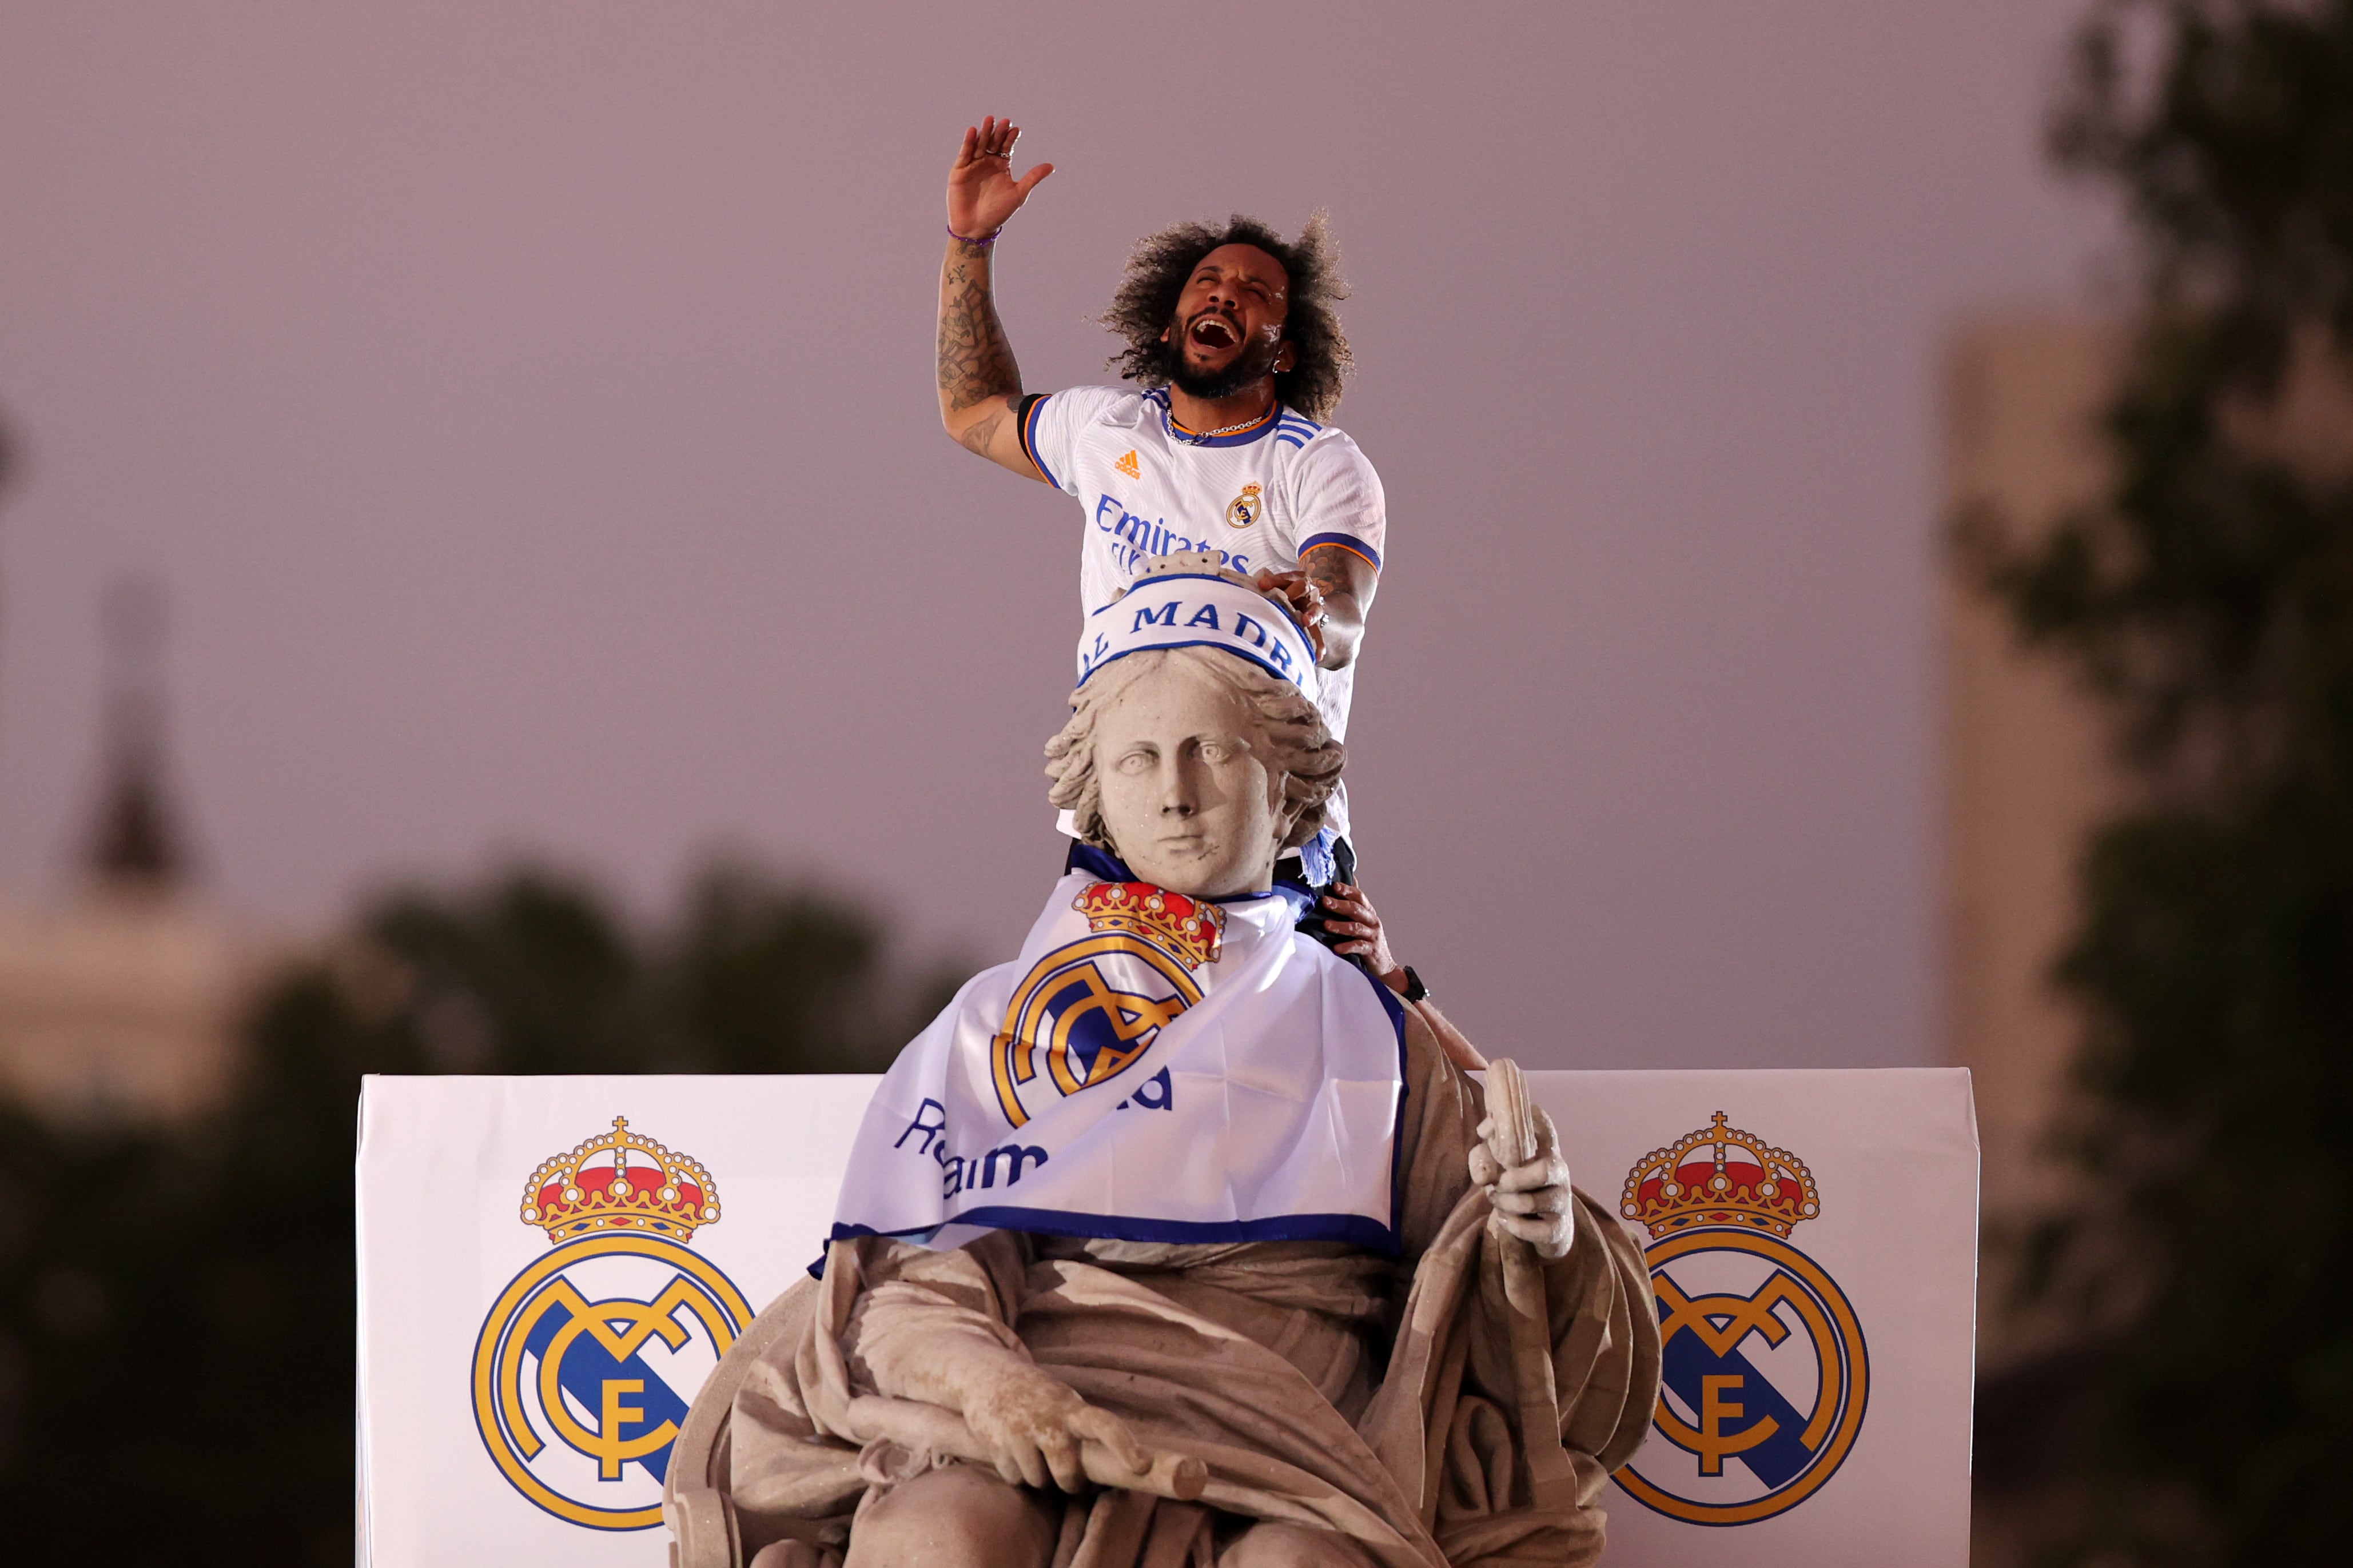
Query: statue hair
[{"x": 1303, "y": 747}]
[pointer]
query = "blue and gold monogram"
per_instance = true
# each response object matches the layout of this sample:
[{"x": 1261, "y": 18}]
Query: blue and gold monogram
[
  {"x": 1765, "y": 1371},
  {"x": 1089, "y": 1009},
  {"x": 584, "y": 1367},
  {"x": 1245, "y": 508}
]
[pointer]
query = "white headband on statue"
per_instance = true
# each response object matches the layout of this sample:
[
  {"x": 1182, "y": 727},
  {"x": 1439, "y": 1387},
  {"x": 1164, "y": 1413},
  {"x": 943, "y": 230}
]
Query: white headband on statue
[{"x": 1185, "y": 601}]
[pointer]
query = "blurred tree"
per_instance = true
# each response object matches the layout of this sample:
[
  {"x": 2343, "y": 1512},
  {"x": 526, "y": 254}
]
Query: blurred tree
[
  {"x": 531, "y": 975},
  {"x": 753, "y": 979},
  {"x": 2210, "y": 602},
  {"x": 177, "y": 1345}
]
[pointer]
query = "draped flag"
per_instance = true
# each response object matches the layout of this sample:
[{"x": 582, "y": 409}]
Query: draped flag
[{"x": 1152, "y": 1068}]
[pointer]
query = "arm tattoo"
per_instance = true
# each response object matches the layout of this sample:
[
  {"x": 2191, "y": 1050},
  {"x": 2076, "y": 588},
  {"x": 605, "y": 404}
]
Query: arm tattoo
[
  {"x": 1347, "y": 582},
  {"x": 976, "y": 362},
  {"x": 1340, "y": 573},
  {"x": 1328, "y": 569},
  {"x": 982, "y": 432}
]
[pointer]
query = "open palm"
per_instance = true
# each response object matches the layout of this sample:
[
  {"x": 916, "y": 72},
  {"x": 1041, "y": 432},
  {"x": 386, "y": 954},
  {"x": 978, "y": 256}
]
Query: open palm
[{"x": 982, "y": 191}]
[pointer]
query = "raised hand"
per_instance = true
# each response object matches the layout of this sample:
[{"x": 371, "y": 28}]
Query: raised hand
[
  {"x": 982, "y": 192},
  {"x": 1033, "y": 1424}
]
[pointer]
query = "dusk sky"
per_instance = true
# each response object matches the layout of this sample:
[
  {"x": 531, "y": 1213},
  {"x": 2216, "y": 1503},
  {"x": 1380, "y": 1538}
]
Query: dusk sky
[{"x": 528, "y": 410}]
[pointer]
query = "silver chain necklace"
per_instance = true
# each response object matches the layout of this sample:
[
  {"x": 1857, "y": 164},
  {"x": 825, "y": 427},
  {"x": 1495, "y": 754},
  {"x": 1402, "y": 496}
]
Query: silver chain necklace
[{"x": 1197, "y": 437}]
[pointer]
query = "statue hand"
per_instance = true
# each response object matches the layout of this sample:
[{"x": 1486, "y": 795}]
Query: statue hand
[
  {"x": 1033, "y": 1424},
  {"x": 982, "y": 192},
  {"x": 1530, "y": 1201}
]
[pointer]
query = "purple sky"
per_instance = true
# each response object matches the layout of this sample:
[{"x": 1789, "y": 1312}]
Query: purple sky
[{"x": 528, "y": 409}]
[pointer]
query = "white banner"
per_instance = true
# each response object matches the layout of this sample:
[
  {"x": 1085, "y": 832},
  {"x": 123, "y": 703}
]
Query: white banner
[
  {"x": 1041, "y": 1073},
  {"x": 549, "y": 1266},
  {"x": 1199, "y": 609}
]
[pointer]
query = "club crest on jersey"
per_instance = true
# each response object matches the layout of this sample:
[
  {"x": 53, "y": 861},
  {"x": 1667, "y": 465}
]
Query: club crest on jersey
[
  {"x": 584, "y": 1366},
  {"x": 1765, "y": 1374},
  {"x": 1088, "y": 1010},
  {"x": 1246, "y": 507},
  {"x": 1129, "y": 466}
]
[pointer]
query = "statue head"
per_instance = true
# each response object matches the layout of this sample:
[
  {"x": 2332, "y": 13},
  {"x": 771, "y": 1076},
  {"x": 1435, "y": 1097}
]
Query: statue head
[{"x": 1194, "y": 764}]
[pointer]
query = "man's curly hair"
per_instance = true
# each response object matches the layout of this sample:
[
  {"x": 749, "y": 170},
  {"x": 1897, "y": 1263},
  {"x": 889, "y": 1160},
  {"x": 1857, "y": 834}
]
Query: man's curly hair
[{"x": 1160, "y": 266}]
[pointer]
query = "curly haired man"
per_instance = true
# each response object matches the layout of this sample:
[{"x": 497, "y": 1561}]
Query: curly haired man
[{"x": 1234, "y": 355}]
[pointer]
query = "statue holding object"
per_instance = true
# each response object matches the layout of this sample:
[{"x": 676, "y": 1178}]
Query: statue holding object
[{"x": 1180, "y": 1239}]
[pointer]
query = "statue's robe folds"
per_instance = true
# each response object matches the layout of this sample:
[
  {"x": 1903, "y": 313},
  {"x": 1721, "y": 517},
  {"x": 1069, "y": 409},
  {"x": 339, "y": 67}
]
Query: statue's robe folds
[{"x": 1461, "y": 1406}]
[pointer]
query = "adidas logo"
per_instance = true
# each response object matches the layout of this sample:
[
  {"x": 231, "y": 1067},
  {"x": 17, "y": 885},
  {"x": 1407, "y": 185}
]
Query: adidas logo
[{"x": 1130, "y": 466}]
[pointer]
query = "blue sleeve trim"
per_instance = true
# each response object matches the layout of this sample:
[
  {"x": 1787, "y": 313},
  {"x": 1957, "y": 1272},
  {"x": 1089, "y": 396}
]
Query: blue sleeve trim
[
  {"x": 1025, "y": 425},
  {"x": 1347, "y": 542}
]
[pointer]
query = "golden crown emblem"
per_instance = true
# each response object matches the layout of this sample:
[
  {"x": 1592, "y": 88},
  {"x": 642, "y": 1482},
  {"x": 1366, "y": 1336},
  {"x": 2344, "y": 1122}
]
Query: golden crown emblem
[
  {"x": 619, "y": 1180},
  {"x": 1719, "y": 1175},
  {"x": 1189, "y": 931}
]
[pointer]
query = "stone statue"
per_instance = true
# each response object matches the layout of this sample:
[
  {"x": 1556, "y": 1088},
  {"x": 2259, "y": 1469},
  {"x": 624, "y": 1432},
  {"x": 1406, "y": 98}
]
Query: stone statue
[{"x": 1308, "y": 1294}]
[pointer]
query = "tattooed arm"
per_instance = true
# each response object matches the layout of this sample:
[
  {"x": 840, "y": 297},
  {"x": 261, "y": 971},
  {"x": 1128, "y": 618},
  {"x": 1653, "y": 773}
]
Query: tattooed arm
[
  {"x": 1345, "y": 580},
  {"x": 1328, "y": 595},
  {"x": 980, "y": 385}
]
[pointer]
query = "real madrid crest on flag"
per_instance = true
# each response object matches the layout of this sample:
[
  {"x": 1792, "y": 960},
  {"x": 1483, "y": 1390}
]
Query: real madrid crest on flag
[
  {"x": 1765, "y": 1374},
  {"x": 584, "y": 1368},
  {"x": 1092, "y": 1006}
]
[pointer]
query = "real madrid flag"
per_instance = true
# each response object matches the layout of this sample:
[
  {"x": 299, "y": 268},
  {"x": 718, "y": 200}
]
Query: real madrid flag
[
  {"x": 531, "y": 1334},
  {"x": 1152, "y": 1068}
]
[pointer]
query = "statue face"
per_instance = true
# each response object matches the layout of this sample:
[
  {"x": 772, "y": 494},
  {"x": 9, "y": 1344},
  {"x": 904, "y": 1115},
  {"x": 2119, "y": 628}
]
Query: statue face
[{"x": 1187, "y": 796}]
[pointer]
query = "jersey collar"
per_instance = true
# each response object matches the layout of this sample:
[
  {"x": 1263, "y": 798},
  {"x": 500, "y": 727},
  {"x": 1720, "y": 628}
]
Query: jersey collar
[{"x": 1184, "y": 437}]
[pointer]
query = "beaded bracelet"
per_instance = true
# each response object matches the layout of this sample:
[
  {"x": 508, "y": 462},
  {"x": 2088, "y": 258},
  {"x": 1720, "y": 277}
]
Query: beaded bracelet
[{"x": 979, "y": 244}]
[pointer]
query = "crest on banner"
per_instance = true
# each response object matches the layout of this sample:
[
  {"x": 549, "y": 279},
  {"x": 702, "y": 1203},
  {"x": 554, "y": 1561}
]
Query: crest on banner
[
  {"x": 584, "y": 1366},
  {"x": 1766, "y": 1373},
  {"x": 1088, "y": 1010}
]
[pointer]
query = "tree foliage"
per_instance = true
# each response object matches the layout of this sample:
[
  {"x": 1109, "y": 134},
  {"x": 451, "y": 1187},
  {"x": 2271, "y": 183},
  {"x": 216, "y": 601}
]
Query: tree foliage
[
  {"x": 176, "y": 1306},
  {"x": 2209, "y": 600}
]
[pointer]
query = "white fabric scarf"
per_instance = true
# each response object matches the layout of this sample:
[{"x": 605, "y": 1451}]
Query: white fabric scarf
[{"x": 1148, "y": 1069}]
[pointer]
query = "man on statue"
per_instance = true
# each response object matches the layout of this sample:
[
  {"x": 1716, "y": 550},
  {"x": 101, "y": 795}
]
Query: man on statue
[{"x": 1234, "y": 356}]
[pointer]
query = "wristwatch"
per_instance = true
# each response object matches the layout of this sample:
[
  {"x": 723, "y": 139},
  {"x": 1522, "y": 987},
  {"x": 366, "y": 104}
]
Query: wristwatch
[{"x": 1414, "y": 991}]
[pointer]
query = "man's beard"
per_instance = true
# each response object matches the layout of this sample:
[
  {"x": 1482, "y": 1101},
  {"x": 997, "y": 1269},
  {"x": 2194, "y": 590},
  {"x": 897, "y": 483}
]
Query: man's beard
[{"x": 1247, "y": 368}]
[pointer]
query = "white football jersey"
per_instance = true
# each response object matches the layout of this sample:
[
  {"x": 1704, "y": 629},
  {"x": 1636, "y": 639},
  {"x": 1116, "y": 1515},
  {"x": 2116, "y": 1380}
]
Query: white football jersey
[{"x": 1261, "y": 497}]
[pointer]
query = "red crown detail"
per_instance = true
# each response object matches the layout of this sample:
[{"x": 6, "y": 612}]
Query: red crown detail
[
  {"x": 1189, "y": 931},
  {"x": 619, "y": 1180},
  {"x": 1719, "y": 1175}
]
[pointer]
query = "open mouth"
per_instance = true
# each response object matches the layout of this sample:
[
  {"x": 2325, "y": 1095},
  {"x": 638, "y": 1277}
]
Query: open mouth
[{"x": 1213, "y": 333}]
